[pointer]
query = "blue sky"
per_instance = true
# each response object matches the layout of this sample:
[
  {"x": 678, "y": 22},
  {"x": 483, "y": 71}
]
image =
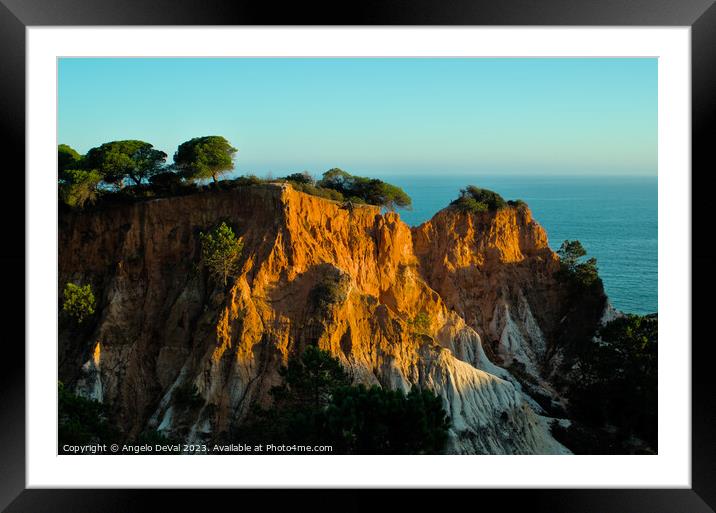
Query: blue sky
[{"x": 372, "y": 116}]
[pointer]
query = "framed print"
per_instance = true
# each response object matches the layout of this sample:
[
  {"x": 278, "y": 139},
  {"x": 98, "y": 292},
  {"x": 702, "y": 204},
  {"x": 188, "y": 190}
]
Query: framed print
[{"x": 432, "y": 249}]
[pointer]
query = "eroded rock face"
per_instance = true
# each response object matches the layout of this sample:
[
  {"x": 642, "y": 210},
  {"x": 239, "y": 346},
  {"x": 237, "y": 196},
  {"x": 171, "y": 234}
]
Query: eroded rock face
[
  {"x": 162, "y": 322},
  {"x": 497, "y": 271}
]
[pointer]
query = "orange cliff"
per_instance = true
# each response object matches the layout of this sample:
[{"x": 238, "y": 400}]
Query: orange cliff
[{"x": 161, "y": 323}]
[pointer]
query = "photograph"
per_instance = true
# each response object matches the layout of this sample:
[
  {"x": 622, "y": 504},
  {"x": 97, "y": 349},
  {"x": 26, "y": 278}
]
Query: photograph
[
  {"x": 415, "y": 249},
  {"x": 357, "y": 256}
]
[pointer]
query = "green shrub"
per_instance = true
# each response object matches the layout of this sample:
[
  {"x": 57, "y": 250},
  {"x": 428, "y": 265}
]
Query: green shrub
[
  {"x": 314, "y": 190},
  {"x": 220, "y": 251},
  {"x": 420, "y": 323},
  {"x": 304, "y": 178},
  {"x": 518, "y": 204},
  {"x": 360, "y": 189},
  {"x": 246, "y": 181},
  {"x": 469, "y": 204},
  {"x": 79, "y": 187},
  {"x": 117, "y": 160},
  {"x": 581, "y": 274},
  {"x": 375, "y": 420},
  {"x": 67, "y": 158},
  {"x": 316, "y": 404},
  {"x": 473, "y": 199},
  {"x": 205, "y": 157},
  {"x": 79, "y": 301}
]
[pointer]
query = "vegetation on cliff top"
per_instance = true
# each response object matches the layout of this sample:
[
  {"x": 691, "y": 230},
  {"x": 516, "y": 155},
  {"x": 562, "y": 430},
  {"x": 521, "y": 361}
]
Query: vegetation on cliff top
[
  {"x": 359, "y": 189},
  {"x": 205, "y": 157},
  {"x": 117, "y": 160},
  {"x": 79, "y": 187},
  {"x": 339, "y": 185},
  {"x": 67, "y": 158},
  {"x": 102, "y": 174},
  {"x": 315, "y": 404},
  {"x": 474, "y": 200}
]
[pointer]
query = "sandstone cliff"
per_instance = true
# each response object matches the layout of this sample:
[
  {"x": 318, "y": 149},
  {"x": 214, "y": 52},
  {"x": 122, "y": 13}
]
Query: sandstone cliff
[{"x": 161, "y": 323}]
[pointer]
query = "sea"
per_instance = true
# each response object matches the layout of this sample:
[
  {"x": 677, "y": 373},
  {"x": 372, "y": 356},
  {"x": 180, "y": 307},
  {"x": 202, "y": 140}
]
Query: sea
[{"x": 614, "y": 217}]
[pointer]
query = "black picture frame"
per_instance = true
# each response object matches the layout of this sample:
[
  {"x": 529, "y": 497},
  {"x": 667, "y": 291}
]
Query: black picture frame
[{"x": 16, "y": 15}]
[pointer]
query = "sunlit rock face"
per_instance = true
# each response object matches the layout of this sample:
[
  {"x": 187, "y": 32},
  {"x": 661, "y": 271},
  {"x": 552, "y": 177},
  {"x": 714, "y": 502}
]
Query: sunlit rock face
[{"x": 485, "y": 285}]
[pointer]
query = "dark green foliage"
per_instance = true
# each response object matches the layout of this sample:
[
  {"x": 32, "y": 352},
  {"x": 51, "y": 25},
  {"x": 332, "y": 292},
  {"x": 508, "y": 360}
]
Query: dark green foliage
[
  {"x": 587, "y": 273},
  {"x": 570, "y": 252},
  {"x": 310, "y": 381},
  {"x": 305, "y": 182},
  {"x": 584, "y": 274},
  {"x": 336, "y": 179},
  {"x": 248, "y": 180},
  {"x": 616, "y": 379},
  {"x": 314, "y": 190},
  {"x": 148, "y": 162},
  {"x": 378, "y": 421},
  {"x": 365, "y": 190},
  {"x": 303, "y": 178},
  {"x": 197, "y": 159},
  {"x": 166, "y": 182},
  {"x": 186, "y": 396},
  {"x": 117, "y": 160},
  {"x": 377, "y": 192},
  {"x": 316, "y": 405},
  {"x": 205, "y": 157},
  {"x": 469, "y": 204},
  {"x": 420, "y": 323},
  {"x": 78, "y": 187},
  {"x": 79, "y": 301},
  {"x": 81, "y": 420},
  {"x": 67, "y": 158},
  {"x": 518, "y": 204},
  {"x": 475, "y": 200},
  {"x": 220, "y": 251}
]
